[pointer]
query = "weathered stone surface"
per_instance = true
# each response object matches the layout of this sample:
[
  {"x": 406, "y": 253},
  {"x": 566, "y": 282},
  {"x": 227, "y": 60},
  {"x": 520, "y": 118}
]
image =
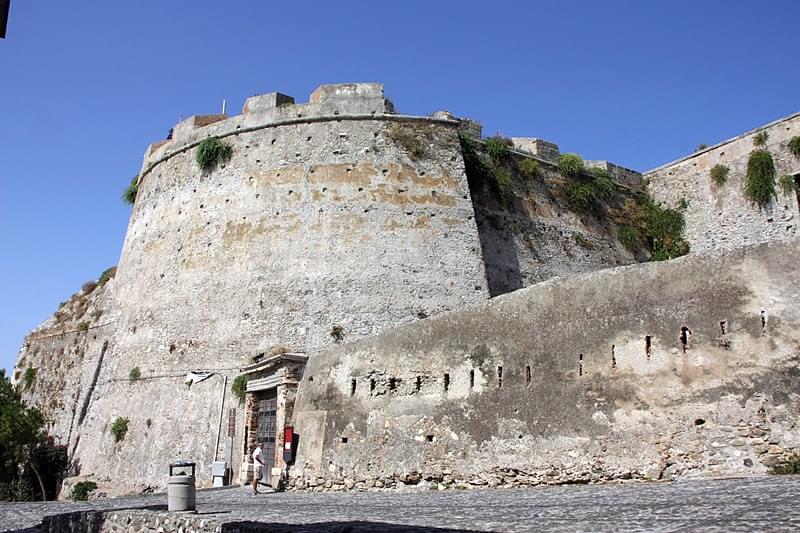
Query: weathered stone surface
[
  {"x": 476, "y": 411},
  {"x": 720, "y": 216}
]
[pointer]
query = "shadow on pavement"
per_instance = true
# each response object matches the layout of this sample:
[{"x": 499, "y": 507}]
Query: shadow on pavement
[{"x": 333, "y": 527}]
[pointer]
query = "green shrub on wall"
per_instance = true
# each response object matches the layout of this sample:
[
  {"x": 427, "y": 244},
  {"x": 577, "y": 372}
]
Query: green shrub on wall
[
  {"x": 129, "y": 195},
  {"x": 603, "y": 181},
  {"x": 80, "y": 491},
  {"x": 239, "y": 387},
  {"x": 134, "y": 374},
  {"x": 629, "y": 236},
  {"x": 503, "y": 184},
  {"x": 580, "y": 196},
  {"x": 119, "y": 428},
  {"x": 760, "y": 139},
  {"x": 529, "y": 168},
  {"x": 760, "y": 182},
  {"x": 498, "y": 148},
  {"x": 665, "y": 231},
  {"x": 719, "y": 174},
  {"x": 212, "y": 152},
  {"x": 29, "y": 377},
  {"x": 794, "y": 145},
  {"x": 570, "y": 165},
  {"x": 788, "y": 185}
]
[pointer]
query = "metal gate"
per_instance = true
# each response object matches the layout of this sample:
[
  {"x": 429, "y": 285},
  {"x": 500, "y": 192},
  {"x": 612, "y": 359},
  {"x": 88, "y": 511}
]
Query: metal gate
[{"x": 267, "y": 404}]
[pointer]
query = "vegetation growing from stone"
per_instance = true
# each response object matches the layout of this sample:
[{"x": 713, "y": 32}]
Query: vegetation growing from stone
[
  {"x": 134, "y": 374},
  {"x": 660, "y": 228},
  {"x": 581, "y": 196},
  {"x": 760, "y": 182},
  {"x": 481, "y": 170},
  {"x": 239, "y": 387},
  {"x": 629, "y": 237},
  {"x": 130, "y": 192},
  {"x": 794, "y": 145},
  {"x": 760, "y": 139},
  {"x": 603, "y": 182},
  {"x": 80, "y": 491},
  {"x": 529, "y": 168},
  {"x": 107, "y": 274},
  {"x": 570, "y": 165},
  {"x": 212, "y": 152},
  {"x": 787, "y": 184},
  {"x": 337, "y": 333},
  {"x": 88, "y": 287},
  {"x": 29, "y": 377},
  {"x": 719, "y": 174},
  {"x": 498, "y": 148},
  {"x": 789, "y": 467},
  {"x": 409, "y": 139},
  {"x": 83, "y": 327},
  {"x": 119, "y": 428},
  {"x": 700, "y": 147}
]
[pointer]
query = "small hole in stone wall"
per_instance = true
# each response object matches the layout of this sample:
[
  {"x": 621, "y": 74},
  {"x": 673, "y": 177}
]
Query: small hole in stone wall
[
  {"x": 392, "y": 383},
  {"x": 172, "y": 348},
  {"x": 699, "y": 422},
  {"x": 360, "y": 189},
  {"x": 308, "y": 139},
  {"x": 421, "y": 172},
  {"x": 277, "y": 174},
  {"x": 763, "y": 323},
  {"x": 133, "y": 330},
  {"x": 258, "y": 161},
  {"x": 312, "y": 170},
  {"x": 352, "y": 387},
  {"x": 418, "y": 384},
  {"x": 613, "y": 356},
  {"x": 372, "y": 385},
  {"x": 499, "y": 376},
  {"x": 446, "y": 382},
  {"x": 349, "y": 170},
  {"x": 194, "y": 190},
  {"x": 471, "y": 378},
  {"x": 290, "y": 192},
  {"x": 685, "y": 333},
  {"x": 385, "y": 171},
  {"x": 722, "y": 324},
  {"x": 429, "y": 438},
  {"x": 344, "y": 440},
  {"x": 528, "y": 374},
  {"x": 324, "y": 189},
  {"x": 297, "y": 154},
  {"x": 580, "y": 364},
  {"x": 648, "y": 346},
  {"x": 227, "y": 200},
  {"x": 258, "y": 195},
  {"x": 201, "y": 206},
  {"x": 273, "y": 141},
  {"x": 336, "y": 152}
]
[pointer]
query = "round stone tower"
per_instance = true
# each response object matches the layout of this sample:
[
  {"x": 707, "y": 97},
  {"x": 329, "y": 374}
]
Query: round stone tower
[{"x": 330, "y": 221}]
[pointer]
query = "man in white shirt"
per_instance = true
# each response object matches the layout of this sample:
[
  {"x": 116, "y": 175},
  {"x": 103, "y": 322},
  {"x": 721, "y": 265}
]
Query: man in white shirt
[{"x": 258, "y": 467}]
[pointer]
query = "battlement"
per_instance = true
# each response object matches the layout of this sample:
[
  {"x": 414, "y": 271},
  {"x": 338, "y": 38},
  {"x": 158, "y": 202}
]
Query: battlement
[{"x": 327, "y": 102}]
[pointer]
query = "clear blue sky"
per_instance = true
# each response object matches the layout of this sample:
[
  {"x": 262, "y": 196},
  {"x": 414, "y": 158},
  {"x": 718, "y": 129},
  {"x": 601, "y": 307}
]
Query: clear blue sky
[{"x": 87, "y": 85}]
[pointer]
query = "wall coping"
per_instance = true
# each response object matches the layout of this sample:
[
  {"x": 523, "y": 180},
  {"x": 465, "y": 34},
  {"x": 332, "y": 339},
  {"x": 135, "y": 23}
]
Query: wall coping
[{"x": 723, "y": 143}]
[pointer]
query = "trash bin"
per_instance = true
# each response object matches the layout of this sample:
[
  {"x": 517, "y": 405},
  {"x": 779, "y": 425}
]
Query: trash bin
[{"x": 180, "y": 487}]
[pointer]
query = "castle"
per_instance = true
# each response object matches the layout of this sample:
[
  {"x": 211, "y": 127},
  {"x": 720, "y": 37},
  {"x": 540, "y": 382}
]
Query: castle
[{"x": 416, "y": 316}]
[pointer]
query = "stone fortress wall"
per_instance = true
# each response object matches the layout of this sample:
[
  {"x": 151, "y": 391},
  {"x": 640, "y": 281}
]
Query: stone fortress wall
[
  {"x": 341, "y": 212},
  {"x": 720, "y": 216},
  {"x": 319, "y": 219},
  {"x": 650, "y": 371}
]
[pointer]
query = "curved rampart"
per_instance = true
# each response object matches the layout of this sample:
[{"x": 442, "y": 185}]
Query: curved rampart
[{"x": 347, "y": 217}]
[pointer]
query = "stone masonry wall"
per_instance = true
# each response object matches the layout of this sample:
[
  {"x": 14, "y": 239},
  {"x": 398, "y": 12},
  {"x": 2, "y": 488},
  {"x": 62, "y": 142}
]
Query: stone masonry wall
[
  {"x": 64, "y": 354},
  {"x": 721, "y": 217},
  {"x": 658, "y": 371},
  {"x": 325, "y": 215}
]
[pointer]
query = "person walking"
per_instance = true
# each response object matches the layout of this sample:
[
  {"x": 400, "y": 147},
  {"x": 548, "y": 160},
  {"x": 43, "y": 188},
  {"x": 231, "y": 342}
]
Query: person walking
[{"x": 258, "y": 466}]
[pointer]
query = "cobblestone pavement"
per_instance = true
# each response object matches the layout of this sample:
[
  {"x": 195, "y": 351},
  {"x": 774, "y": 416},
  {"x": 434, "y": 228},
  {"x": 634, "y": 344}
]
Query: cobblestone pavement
[{"x": 755, "y": 504}]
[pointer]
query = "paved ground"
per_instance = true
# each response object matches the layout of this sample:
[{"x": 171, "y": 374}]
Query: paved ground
[{"x": 758, "y": 504}]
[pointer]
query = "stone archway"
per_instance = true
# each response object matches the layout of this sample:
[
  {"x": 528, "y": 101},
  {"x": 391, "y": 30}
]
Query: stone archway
[{"x": 271, "y": 389}]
